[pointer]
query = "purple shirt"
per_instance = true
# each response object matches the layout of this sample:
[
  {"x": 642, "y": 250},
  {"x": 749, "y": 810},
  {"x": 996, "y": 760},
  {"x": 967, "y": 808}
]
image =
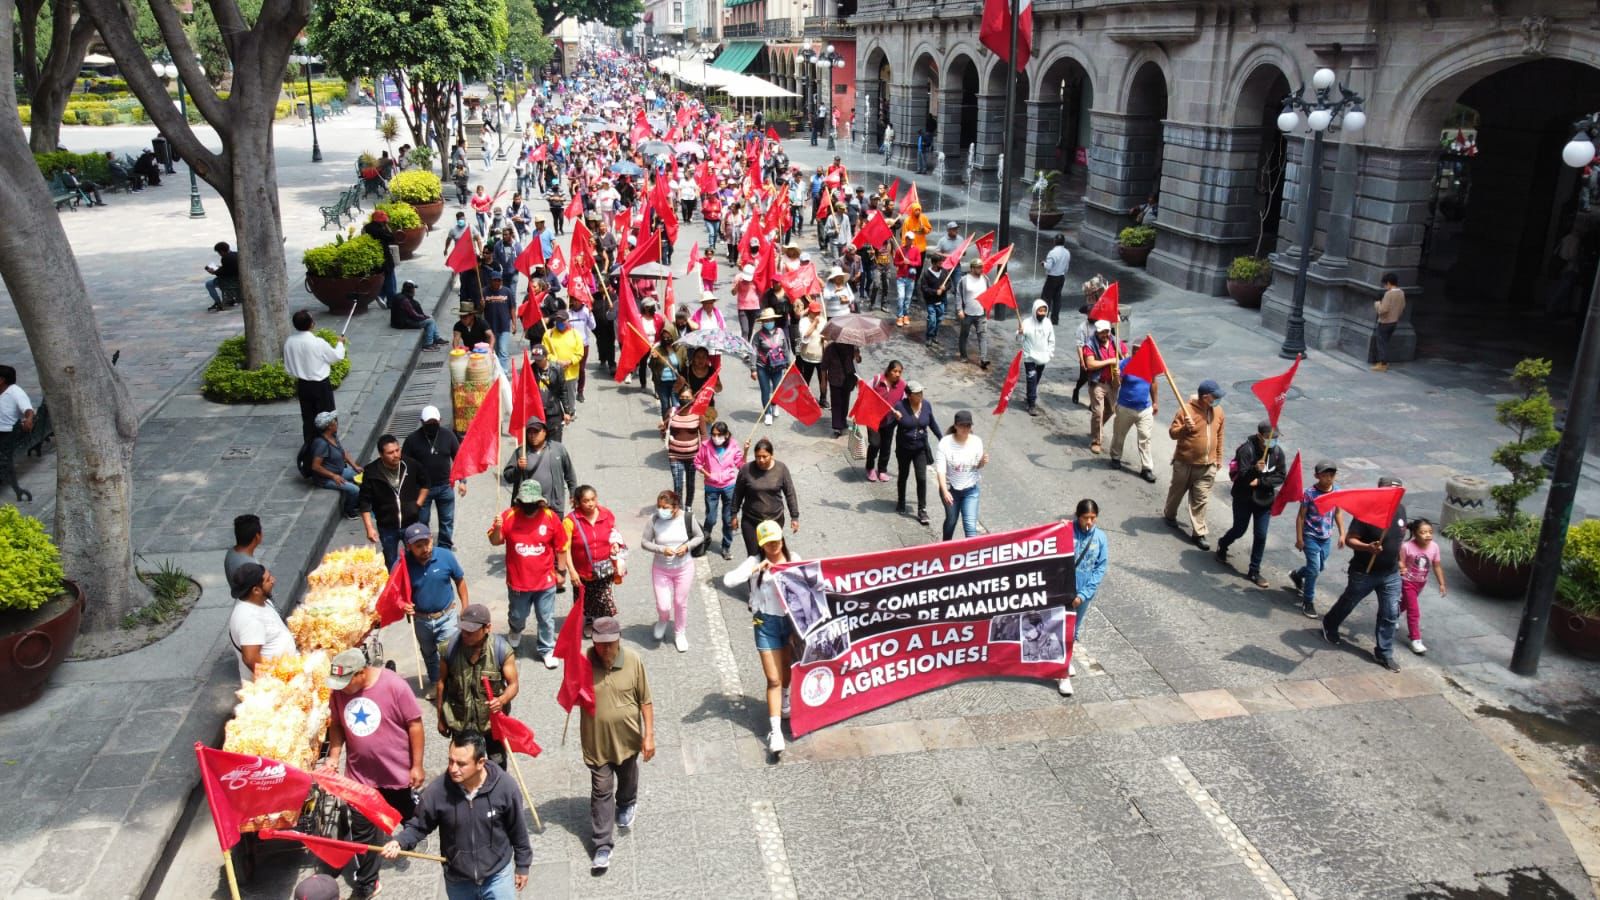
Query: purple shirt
[{"x": 377, "y": 738}]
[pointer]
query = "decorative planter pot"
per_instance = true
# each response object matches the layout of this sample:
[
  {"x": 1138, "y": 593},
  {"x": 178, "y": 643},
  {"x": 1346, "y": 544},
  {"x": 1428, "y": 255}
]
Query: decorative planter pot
[
  {"x": 429, "y": 212},
  {"x": 1578, "y": 633},
  {"x": 1504, "y": 582},
  {"x": 34, "y": 644},
  {"x": 332, "y": 292},
  {"x": 1135, "y": 256},
  {"x": 410, "y": 239},
  {"x": 1045, "y": 220},
  {"x": 1247, "y": 293}
]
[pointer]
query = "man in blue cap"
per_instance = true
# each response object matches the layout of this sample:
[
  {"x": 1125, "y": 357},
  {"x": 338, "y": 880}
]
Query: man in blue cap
[{"x": 1196, "y": 457}]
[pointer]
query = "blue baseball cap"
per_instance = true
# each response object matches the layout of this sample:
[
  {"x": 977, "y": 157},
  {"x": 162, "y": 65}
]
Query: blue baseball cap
[{"x": 1210, "y": 386}]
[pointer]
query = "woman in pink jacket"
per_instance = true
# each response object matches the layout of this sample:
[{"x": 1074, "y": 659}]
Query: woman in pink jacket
[{"x": 719, "y": 460}]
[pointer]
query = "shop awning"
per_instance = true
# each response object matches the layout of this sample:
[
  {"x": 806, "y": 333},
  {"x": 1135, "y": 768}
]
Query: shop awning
[{"x": 738, "y": 56}]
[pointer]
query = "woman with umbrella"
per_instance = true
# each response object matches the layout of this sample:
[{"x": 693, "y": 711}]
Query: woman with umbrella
[
  {"x": 771, "y": 358},
  {"x": 844, "y": 337}
]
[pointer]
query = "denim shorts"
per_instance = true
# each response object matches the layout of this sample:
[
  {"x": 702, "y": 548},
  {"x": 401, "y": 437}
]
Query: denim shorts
[{"x": 772, "y": 631}]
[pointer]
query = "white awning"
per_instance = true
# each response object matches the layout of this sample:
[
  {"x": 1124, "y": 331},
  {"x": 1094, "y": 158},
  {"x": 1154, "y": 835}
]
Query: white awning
[{"x": 734, "y": 84}]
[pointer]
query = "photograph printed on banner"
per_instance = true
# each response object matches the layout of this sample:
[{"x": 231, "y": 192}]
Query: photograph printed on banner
[
  {"x": 1044, "y": 636},
  {"x": 804, "y": 594},
  {"x": 831, "y": 640},
  {"x": 1006, "y": 629}
]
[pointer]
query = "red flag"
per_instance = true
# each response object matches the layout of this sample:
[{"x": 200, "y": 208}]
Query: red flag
[
  {"x": 577, "y": 673},
  {"x": 994, "y": 30},
  {"x": 333, "y": 852},
  {"x": 795, "y": 397},
  {"x": 640, "y": 131},
  {"x": 998, "y": 294},
  {"x": 869, "y": 408},
  {"x": 801, "y": 282},
  {"x": 910, "y": 200},
  {"x": 894, "y": 189},
  {"x": 694, "y": 258},
  {"x": 396, "y": 594},
  {"x": 480, "y": 447},
  {"x": 706, "y": 395},
  {"x": 517, "y": 736},
  {"x": 580, "y": 291},
  {"x": 463, "y": 254},
  {"x": 662, "y": 204},
  {"x": 1010, "y": 384},
  {"x": 985, "y": 245},
  {"x": 574, "y": 207},
  {"x": 363, "y": 797},
  {"x": 1000, "y": 259},
  {"x": 772, "y": 134},
  {"x": 630, "y": 330},
  {"x": 751, "y": 233},
  {"x": 620, "y": 223},
  {"x": 766, "y": 266},
  {"x": 704, "y": 178},
  {"x": 531, "y": 255},
  {"x": 537, "y": 154},
  {"x": 1293, "y": 487},
  {"x": 873, "y": 233},
  {"x": 1106, "y": 307},
  {"x": 582, "y": 247},
  {"x": 557, "y": 263},
  {"x": 777, "y": 214},
  {"x": 240, "y": 788},
  {"x": 648, "y": 250},
  {"x": 954, "y": 258},
  {"x": 1374, "y": 506},
  {"x": 1146, "y": 362},
  {"x": 526, "y": 400},
  {"x": 824, "y": 206},
  {"x": 1274, "y": 391}
]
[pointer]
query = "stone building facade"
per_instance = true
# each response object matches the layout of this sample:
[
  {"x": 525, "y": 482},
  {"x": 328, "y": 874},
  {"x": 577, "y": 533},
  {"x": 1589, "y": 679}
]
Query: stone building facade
[{"x": 1180, "y": 99}]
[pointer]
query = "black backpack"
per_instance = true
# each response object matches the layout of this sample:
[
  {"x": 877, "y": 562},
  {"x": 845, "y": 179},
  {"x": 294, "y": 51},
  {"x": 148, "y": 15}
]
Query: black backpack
[{"x": 302, "y": 461}]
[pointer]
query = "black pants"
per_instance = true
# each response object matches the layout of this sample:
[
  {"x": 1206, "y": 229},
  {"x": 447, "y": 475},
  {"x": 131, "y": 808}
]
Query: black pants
[
  {"x": 1052, "y": 296},
  {"x": 605, "y": 339},
  {"x": 747, "y": 530},
  {"x": 1380, "y": 342},
  {"x": 315, "y": 397},
  {"x": 365, "y": 832},
  {"x": 915, "y": 462},
  {"x": 839, "y": 399},
  {"x": 878, "y": 449}
]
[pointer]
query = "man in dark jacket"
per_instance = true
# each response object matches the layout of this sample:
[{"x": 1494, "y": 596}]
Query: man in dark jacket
[
  {"x": 434, "y": 448},
  {"x": 481, "y": 821},
  {"x": 392, "y": 490},
  {"x": 406, "y": 312},
  {"x": 1258, "y": 472},
  {"x": 934, "y": 286},
  {"x": 1374, "y": 567},
  {"x": 552, "y": 380},
  {"x": 546, "y": 462},
  {"x": 226, "y": 270}
]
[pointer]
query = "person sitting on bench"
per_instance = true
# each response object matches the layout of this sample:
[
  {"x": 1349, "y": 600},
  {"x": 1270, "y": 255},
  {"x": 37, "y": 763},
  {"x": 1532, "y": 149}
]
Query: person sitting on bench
[{"x": 226, "y": 270}]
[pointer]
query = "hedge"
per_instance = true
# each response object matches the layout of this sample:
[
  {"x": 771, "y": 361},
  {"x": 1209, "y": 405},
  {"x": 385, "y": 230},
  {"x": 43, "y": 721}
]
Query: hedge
[
  {"x": 91, "y": 166},
  {"x": 226, "y": 380},
  {"x": 30, "y": 565}
]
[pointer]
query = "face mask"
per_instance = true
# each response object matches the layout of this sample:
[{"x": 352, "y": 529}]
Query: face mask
[
  {"x": 1272, "y": 443},
  {"x": 664, "y": 513},
  {"x": 561, "y": 326},
  {"x": 430, "y": 430},
  {"x": 719, "y": 442},
  {"x": 768, "y": 326},
  {"x": 527, "y": 509}
]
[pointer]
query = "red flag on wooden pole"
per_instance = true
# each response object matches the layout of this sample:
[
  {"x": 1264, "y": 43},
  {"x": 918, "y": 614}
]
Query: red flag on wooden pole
[
  {"x": 335, "y": 853},
  {"x": 869, "y": 408},
  {"x": 1374, "y": 506},
  {"x": 463, "y": 254},
  {"x": 1010, "y": 384},
  {"x": 577, "y": 674},
  {"x": 998, "y": 294},
  {"x": 1274, "y": 391},
  {"x": 239, "y": 788},
  {"x": 1292, "y": 489},
  {"x": 1146, "y": 362},
  {"x": 1106, "y": 307},
  {"x": 706, "y": 395},
  {"x": 794, "y": 396},
  {"x": 396, "y": 594},
  {"x": 363, "y": 797},
  {"x": 531, "y": 255},
  {"x": 526, "y": 400},
  {"x": 999, "y": 258}
]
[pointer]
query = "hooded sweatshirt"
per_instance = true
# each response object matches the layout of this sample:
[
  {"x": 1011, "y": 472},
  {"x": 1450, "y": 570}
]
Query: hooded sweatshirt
[
  {"x": 1038, "y": 336},
  {"x": 478, "y": 835}
]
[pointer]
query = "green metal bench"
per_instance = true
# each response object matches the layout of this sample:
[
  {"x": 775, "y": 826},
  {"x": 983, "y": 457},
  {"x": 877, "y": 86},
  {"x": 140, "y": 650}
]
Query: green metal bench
[
  {"x": 61, "y": 195},
  {"x": 337, "y": 106},
  {"x": 335, "y": 214}
]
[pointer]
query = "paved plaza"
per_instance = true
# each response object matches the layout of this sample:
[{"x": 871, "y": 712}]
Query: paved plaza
[{"x": 1216, "y": 747}]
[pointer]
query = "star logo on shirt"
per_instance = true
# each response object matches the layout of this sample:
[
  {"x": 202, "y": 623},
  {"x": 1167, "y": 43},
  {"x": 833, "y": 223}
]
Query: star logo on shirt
[{"x": 362, "y": 717}]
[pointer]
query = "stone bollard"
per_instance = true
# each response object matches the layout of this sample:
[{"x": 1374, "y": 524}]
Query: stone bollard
[{"x": 1465, "y": 497}]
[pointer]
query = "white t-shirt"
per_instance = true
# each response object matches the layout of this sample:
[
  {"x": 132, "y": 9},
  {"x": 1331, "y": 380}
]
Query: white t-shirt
[
  {"x": 958, "y": 463},
  {"x": 252, "y": 625},
  {"x": 13, "y": 403}
]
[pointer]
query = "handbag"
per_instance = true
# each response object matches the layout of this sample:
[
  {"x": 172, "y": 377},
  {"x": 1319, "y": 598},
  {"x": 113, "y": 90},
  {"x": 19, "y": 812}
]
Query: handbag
[
  {"x": 604, "y": 569},
  {"x": 857, "y": 442}
]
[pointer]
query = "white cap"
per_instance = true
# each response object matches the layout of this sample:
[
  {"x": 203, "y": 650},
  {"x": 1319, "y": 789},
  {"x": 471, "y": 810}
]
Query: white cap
[
  {"x": 430, "y": 414},
  {"x": 1102, "y": 325}
]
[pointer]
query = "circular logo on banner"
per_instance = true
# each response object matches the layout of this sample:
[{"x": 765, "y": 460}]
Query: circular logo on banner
[
  {"x": 361, "y": 717},
  {"x": 817, "y": 686}
]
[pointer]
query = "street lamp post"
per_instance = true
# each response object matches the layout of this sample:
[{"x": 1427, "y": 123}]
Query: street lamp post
[
  {"x": 830, "y": 60},
  {"x": 169, "y": 70},
  {"x": 304, "y": 61},
  {"x": 1319, "y": 114},
  {"x": 1578, "y": 153},
  {"x": 808, "y": 57},
  {"x": 499, "y": 119}
]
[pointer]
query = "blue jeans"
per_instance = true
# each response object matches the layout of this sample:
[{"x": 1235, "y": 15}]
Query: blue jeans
[
  {"x": 966, "y": 507},
  {"x": 905, "y": 286},
  {"x": 683, "y": 473},
  {"x": 768, "y": 377},
  {"x": 772, "y": 631},
  {"x": 935, "y": 314},
  {"x": 444, "y": 497},
  {"x": 543, "y": 604},
  {"x": 1317, "y": 550},
  {"x": 1077, "y": 623},
  {"x": 349, "y": 489},
  {"x": 1246, "y": 514},
  {"x": 1034, "y": 373},
  {"x": 433, "y": 632},
  {"x": 430, "y": 332},
  {"x": 1361, "y": 584},
  {"x": 713, "y": 235},
  {"x": 214, "y": 291},
  {"x": 719, "y": 499},
  {"x": 389, "y": 539},
  {"x": 502, "y": 350},
  {"x": 499, "y": 886},
  {"x": 391, "y": 284}
]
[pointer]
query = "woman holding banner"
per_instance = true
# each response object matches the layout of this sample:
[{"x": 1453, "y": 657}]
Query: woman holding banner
[
  {"x": 1090, "y": 548},
  {"x": 770, "y": 621}
]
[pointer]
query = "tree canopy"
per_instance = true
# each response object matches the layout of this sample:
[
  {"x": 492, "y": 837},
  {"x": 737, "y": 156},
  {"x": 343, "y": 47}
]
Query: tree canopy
[
  {"x": 432, "y": 41},
  {"x": 619, "y": 14},
  {"x": 525, "y": 38}
]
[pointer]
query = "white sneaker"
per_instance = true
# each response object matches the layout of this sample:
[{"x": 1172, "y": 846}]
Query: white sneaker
[
  {"x": 1072, "y": 668},
  {"x": 549, "y": 661},
  {"x": 768, "y": 419},
  {"x": 1065, "y": 687},
  {"x": 660, "y": 630},
  {"x": 514, "y": 638},
  {"x": 1418, "y": 648},
  {"x": 681, "y": 641},
  {"x": 774, "y": 742},
  {"x": 784, "y": 709}
]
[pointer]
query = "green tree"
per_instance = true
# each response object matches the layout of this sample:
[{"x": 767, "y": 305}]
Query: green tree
[
  {"x": 203, "y": 32},
  {"x": 48, "y": 47},
  {"x": 620, "y": 14},
  {"x": 525, "y": 37}
]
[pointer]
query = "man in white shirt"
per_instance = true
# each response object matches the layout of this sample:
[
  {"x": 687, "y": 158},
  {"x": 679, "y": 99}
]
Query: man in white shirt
[
  {"x": 308, "y": 359},
  {"x": 970, "y": 312},
  {"x": 1056, "y": 263},
  {"x": 16, "y": 410},
  {"x": 254, "y": 626}
]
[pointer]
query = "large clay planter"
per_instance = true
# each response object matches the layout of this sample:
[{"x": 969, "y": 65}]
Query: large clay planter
[
  {"x": 1579, "y": 633},
  {"x": 1135, "y": 256},
  {"x": 1247, "y": 293},
  {"x": 333, "y": 291},
  {"x": 429, "y": 212},
  {"x": 1045, "y": 220},
  {"x": 1495, "y": 580},
  {"x": 34, "y": 644},
  {"x": 410, "y": 239}
]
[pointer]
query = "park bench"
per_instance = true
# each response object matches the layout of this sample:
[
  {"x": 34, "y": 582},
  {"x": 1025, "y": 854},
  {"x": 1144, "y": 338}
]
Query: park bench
[
  {"x": 30, "y": 443},
  {"x": 337, "y": 106},
  {"x": 120, "y": 182},
  {"x": 61, "y": 195},
  {"x": 336, "y": 213}
]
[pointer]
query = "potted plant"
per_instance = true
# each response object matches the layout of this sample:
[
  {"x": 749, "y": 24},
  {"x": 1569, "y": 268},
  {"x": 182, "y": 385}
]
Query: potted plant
[
  {"x": 1497, "y": 552},
  {"x": 40, "y": 610},
  {"x": 1575, "y": 616},
  {"x": 420, "y": 188},
  {"x": 1135, "y": 242},
  {"x": 1248, "y": 277},
  {"x": 336, "y": 271},
  {"x": 406, "y": 224},
  {"x": 1042, "y": 209}
]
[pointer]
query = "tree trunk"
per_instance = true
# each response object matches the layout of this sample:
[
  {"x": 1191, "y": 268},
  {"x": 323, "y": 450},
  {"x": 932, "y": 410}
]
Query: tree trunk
[
  {"x": 253, "y": 206},
  {"x": 48, "y": 103},
  {"x": 352, "y": 91}
]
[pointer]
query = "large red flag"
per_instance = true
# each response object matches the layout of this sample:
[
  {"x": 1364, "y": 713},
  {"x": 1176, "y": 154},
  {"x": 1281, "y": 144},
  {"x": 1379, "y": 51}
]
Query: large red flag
[
  {"x": 648, "y": 250},
  {"x": 1293, "y": 487},
  {"x": 1010, "y": 384},
  {"x": 1274, "y": 391},
  {"x": 537, "y": 154},
  {"x": 1374, "y": 506},
  {"x": 463, "y": 254},
  {"x": 531, "y": 255},
  {"x": 363, "y": 797},
  {"x": 706, "y": 395},
  {"x": 630, "y": 331},
  {"x": 694, "y": 258},
  {"x": 954, "y": 257},
  {"x": 910, "y": 200},
  {"x": 582, "y": 247},
  {"x": 240, "y": 788},
  {"x": 985, "y": 245},
  {"x": 801, "y": 282},
  {"x": 577, "y": 673},
  {"x": 480, "y": 447},
  {"x": 777, "y": 213},
  {"x": 894, "y": 189},
  {"x": 335, "y": 853},
  {"x": 661, "y": 202},
  {"x": 1146, "y": 362},
  {"x": 396, "y": 593},
  {"x": 795, "y": 397},
  {"x": 869, "y": 408},
  {"x": 998, "y": 294},
  {"x": 557, "y": 263},
  {"x": 1000, "y": 259},
  {"x": 526, "y": 400},
  {"x": 873, "y": 233},
  {"x": 824, "y": 205},
  {"x": 574, "y": 207},
  {"x": 994, "y": 30},
  {"x": 516, "y": 735},
  {"x": 1106, "y": 307},
  {"x": 580, "y": 290},
  {"x": 766, "y": 266}
]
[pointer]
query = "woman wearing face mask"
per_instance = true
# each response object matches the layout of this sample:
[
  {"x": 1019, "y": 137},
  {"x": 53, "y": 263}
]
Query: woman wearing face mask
[
  {"x": 719, "y": 460},
  {"x": 671, "y": 534},
  {"x": 699, "y": 373},
  {"x": 684, "y": 430},
  {"x": 760, "y": 494},
  {"x": 892, "y": 388},
  {"x": 913, "y": 419},
  {"x": 772, "y": 357},
  {"x": 1091, "y": 553},
  {"x": 771, "y": 622},
  {"x": 595, "y": 545},
  {"x": 1257, "y": 472}
]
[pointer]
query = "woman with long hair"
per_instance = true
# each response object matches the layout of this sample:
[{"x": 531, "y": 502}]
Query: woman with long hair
[
  {"x": 770, "y": 622},
  {"x": 594, "y": 548},
  {"x": 1091, "y": 550},
  {"x": 672, "y": 534}
]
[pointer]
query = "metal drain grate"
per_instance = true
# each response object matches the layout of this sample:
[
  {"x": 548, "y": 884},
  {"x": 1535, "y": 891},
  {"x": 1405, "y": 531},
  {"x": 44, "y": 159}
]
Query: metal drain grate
[{"x": 418, "y": 392}]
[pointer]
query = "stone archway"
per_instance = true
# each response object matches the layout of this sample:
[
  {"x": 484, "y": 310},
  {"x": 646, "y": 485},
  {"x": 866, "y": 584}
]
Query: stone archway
[
  {"x": 1257, "y": 205},
  {"x": 915, "y": 111},
  {"x": 1059, "y": 129},
  {"x": 1128, "y": 150},
  {"x": 872, "y": 100},
  {"x": 958, "y": 134}
]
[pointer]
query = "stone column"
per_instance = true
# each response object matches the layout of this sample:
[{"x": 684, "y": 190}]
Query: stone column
[
  {"x": 949, "y": 138},
  {"x": 1122, "y": 171},
  {"x": 1208, "y": 204},
  {"x": 908, "y": 110},
  {"x": 1044, "y": 132},
  {"x": 991, "y": 140}
]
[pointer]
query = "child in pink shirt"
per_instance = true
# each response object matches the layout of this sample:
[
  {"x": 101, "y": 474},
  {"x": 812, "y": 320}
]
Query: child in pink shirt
[{"x": 1418, "y": 557}]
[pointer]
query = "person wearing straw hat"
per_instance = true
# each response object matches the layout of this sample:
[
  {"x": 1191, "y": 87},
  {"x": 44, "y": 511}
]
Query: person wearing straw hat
[
  {"x": 707, "y": 317},
  {"x": 837, "y": 298}
]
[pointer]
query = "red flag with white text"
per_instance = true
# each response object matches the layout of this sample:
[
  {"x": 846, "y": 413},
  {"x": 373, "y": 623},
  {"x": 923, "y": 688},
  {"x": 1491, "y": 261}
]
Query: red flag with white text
[
  {"x": 240, "y": 788},
  {"x": 1274, "y": 392},
  {"x": 794, "y": 396}
]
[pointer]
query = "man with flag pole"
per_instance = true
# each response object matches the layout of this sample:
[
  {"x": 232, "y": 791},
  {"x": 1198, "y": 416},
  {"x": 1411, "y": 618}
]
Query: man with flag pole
[
  {"x": 475, "y": 657},
  {"x": 1376, "y": 533}
]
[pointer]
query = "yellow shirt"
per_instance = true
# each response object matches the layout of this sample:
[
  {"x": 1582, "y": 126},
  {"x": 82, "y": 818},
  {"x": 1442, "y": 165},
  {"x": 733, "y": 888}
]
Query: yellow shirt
[
  {"x": 566, "y": 348},
  {"x": 918, "y": 226}
]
